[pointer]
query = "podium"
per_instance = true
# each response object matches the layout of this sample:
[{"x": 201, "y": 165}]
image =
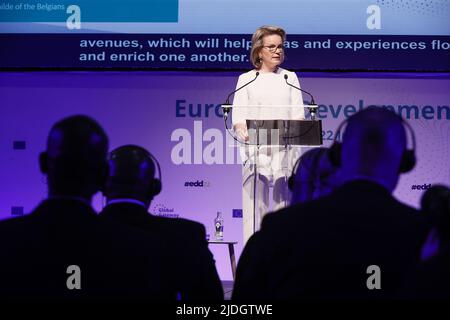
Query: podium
[
  {"x": 285, "y": 132},
  {"x": 274, "y": 126}
]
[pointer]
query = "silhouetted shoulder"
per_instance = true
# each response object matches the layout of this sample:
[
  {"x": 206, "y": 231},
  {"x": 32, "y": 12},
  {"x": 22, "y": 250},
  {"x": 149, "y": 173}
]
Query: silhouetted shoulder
[
  {"x": 182, "y": 226},
  {"x": 289, "y": 216},
  {"x": 431, "y": 279},
  {"x": 13, "y": 227},
  {"x": 15, "y": 221}
]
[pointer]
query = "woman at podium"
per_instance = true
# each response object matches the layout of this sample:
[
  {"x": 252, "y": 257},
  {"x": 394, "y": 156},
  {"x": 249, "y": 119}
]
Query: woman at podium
[{"x": 265, "y": 86}]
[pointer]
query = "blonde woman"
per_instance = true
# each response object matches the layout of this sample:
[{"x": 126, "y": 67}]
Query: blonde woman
[{"x": 274, "y": 164}]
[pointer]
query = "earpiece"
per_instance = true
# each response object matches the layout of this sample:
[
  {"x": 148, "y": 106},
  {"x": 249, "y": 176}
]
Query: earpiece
[
  {"x": 408, "y": 161},
  {"x": 43, "y": 162},
  {"x": 156, "y": 184}
]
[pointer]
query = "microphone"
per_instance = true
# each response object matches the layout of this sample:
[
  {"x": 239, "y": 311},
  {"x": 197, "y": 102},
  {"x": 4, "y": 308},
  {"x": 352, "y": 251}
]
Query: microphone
[
  {"x": 226, "y": 109},
  {"x": 312, "y": 106}
]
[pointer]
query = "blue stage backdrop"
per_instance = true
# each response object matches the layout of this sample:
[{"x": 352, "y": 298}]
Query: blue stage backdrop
[{"x": 176, "y": 115}]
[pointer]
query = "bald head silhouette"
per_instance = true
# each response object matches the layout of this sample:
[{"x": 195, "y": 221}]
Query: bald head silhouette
[
  {"x": 373, "y": 145},
  {"x": 132, "y": 175},
  {"x": 312, "y": 177},
  {"x": 75, "y": 159}
]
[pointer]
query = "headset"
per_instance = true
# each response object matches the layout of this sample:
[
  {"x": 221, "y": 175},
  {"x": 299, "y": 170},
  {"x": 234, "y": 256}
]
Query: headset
[
  {"x": 313, "y": 166},
  {"x": 155, "y": 184},
  {"x": 408, "y": 160}
]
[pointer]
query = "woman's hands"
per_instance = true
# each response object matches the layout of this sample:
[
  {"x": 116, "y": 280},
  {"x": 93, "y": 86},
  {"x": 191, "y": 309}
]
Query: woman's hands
[{"x": 241, "y": 131}]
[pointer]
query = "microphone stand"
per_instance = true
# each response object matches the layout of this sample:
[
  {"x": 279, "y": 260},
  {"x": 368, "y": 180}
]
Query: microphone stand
[
  {"x": 287, "y": 148},
  {"x": 227, "y": 110},
  {"x": 312, "y": 106},
  {"x": 255, "y": 175}
]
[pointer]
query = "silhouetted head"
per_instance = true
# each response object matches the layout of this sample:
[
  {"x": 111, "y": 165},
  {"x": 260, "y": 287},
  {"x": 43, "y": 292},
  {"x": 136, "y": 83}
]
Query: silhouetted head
[
  {"x": 75, "y": 159},
  {"x": 373, "y": 146},
  {"x": 132, "y": 175},
  {"x": 435, "y": 204},
  {"x": 314, "y": 176}
]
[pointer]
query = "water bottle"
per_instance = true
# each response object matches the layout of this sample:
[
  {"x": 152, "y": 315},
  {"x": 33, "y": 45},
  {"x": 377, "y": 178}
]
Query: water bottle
[{"x": 218, "y": 225}]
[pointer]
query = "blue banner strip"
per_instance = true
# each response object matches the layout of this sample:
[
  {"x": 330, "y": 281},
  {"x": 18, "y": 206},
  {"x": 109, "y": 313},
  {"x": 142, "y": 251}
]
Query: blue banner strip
[
  {"x": 222, "y": 52},
  {"x": 90, "y": 11}
]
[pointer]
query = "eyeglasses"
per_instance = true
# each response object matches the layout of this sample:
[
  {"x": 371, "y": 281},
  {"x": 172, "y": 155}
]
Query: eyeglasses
[{"x": 273, "y": 48}]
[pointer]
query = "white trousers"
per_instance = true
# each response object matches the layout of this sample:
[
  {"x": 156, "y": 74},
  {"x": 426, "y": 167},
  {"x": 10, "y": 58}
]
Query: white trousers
[{"x": 267, "y": 190}]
